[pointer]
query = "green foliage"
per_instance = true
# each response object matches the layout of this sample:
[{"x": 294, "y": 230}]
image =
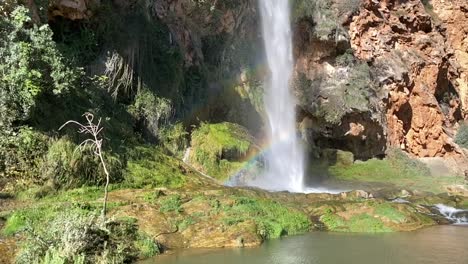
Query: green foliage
[
  {"x": 147, "y": 246},
  {"x": 80, "y": 237},
  {"x": 217, "y": 138},
  {"x": 365, "y": 223},
  {"x": 272, "y": 218},
  {"x": 67, "y": 166},
  {"x": 406, "y": 165},
  {"x": 397, "y": 170},
  {"x": 362, "y": 223},
  {"x": 149, "y": 167},
  {"x": 151, "y": 110},
  {"x": 462, "y": 136},
  {"x": 217, "y": 147},
  {"x": 33, "y": 217},
  {"x": 21, "y": 154},
  {"x": 31, "y": 67},
  {"x": 173, "y": 137},
  {"x": 171, "y": 203},
  {"x": 141, "y": 52},
  {"x": 390, "y": 212},
  {"x": 333, "y": 222},
  {"x": 185, "y": 223}
]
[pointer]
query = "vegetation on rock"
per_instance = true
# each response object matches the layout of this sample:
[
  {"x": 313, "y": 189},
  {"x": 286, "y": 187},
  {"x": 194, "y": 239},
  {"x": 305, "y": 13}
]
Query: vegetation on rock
[
  {"x": 218, "y": 148},
  {"x": 462, "y": 136},
  {"x": 396, "y": 169}
]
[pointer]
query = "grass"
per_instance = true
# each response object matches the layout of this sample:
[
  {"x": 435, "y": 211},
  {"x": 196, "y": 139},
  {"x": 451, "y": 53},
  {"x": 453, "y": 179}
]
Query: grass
[
  {"x": 37, "y": 216},
  {"x": 397, "y": 170},
  {"x": 360, "y": 223},
  {"x": 366, "y": 223},
  {"x": 272, "y": 218},
  {"x": 171, "y": 203},
  {"x": 147, "y": 246},
  {"x": 390, "y": 212},
  {"x": 333, "y": 222},
  {"x": 148, "y": 167}
]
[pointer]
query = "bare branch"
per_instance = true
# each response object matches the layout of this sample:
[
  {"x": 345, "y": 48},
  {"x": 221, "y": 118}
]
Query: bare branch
[{"x": 93, "y": 130}]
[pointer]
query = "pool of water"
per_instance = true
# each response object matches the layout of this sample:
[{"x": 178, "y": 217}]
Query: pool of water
[{"x": 440, "y": 244}]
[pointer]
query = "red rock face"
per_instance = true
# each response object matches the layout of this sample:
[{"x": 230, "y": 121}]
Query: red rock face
[
  {"x": 453, "y": 14},
  {"x": 412, "y": 59}
]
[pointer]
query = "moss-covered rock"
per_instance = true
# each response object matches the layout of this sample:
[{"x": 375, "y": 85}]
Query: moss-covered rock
[
  {"x": 150, "y": 167},
  {"x": 219, "y": 150},
  {"x": 373, "y": 216},
  {"x": 397, "y": 170}
]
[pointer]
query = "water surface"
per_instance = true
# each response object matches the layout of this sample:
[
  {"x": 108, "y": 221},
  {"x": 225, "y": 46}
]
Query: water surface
[{"x": 440, "y": 244}]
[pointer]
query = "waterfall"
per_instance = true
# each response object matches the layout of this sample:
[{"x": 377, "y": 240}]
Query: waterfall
[
  {"x": 285, "y": 158},
  {"x": 454, "y": 215}
]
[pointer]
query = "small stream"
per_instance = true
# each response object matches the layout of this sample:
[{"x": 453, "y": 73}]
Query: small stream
[{"x": 438, "y": 245}]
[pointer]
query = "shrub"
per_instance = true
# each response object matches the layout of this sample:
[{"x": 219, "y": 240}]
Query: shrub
[
  {"x": 77, "y": 237},
  {"x": 21, "y": 154},
  {"x": 462, "y": 136},
  {"x": 174, "y": 138},
  {"x": 147, "y": 246},
  {"x": 66, "y": 166},
  {"x": 151, "y": 110},
  {"x": 31, "y": 67}
]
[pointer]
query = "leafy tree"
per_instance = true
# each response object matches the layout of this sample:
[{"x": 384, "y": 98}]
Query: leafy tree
[{"x": 30, "y": 67}]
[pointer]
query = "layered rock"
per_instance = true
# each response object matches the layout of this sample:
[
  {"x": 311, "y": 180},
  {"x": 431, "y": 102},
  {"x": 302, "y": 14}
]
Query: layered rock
[
  {"x": 370, "y": 75},
  {"x": 453, "y": 14},
  {"x": 413, "y": 63}
]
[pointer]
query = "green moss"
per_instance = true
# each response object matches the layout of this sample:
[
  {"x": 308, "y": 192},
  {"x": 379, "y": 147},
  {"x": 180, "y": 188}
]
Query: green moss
[
  {"x": 360, "y": 223},
  {"x": 390, "y": 212},
  {"x": 272, "y": 218},
  {"x": 149, "y": 167},
  {"x": 83, "y": 194},
  {"x": 217, "y": 148},
  {"x": 333, "y": 222},
  {"x": 396, "y": 170},
  {"x": 367, "y": 223},
  {"x": 174, "y": 138}
]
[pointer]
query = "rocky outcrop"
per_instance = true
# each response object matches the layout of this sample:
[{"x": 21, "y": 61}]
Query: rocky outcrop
[
  {"x": 453, "y": 15},
  {"x": 412, "y": 63},
  {"x": 369, "y": 75},
  {"x": 72, "y": 9}
]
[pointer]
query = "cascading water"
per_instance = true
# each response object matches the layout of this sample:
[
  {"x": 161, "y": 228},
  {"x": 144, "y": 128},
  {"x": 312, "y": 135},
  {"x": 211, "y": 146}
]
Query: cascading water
[
  {"x": 285, "y": 158},
  {"x": 457, "y": 216}
]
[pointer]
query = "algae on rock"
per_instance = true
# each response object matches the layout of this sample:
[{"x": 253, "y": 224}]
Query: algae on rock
[{"x": 220, "y": 150}]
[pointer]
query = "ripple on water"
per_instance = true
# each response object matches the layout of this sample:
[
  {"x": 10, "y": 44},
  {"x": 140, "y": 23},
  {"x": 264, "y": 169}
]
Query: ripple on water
[{"x": 435, "y": 245}]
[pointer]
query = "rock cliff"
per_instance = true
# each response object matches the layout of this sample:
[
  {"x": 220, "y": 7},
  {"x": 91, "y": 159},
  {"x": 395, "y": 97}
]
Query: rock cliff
[{"x": 370, "y": 75}]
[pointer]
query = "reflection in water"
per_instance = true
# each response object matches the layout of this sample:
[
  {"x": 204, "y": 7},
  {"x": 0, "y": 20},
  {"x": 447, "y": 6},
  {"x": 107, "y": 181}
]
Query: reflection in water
[{"x": 441, "y": 245}]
